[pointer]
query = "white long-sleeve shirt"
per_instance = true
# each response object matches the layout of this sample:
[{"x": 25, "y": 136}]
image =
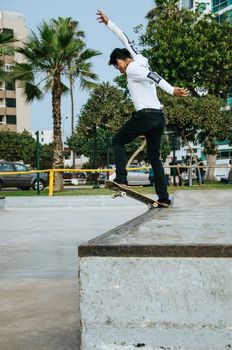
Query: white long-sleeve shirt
[{"x": 141, "y": 80}]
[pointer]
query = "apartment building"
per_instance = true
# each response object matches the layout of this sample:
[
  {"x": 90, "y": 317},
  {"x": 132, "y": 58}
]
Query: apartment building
[
  {"x": 204, "y": 6},
  {"x": 45, "y": 136},
  {"x": 14, "y": 111},
  {"x": 223, "y": 9}
]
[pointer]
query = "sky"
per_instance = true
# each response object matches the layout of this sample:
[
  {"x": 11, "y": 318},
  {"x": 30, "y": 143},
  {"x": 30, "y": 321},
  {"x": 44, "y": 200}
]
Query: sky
[{"x": 125, "y": 13}]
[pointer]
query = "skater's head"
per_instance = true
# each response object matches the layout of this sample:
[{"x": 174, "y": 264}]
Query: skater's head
[{"x": 120, "y": 58}]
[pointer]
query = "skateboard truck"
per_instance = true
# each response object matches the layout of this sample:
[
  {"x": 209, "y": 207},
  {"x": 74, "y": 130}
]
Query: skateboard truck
[{"x": 123, "y": 192}]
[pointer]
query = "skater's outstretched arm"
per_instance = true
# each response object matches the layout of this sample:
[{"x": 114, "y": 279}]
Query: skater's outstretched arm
[
  {"x": 102, "y": 18},
  {"x": 136, "y": 72}
]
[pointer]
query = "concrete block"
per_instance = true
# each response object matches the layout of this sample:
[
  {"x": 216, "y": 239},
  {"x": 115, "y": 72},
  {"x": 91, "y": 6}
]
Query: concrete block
[
  {"x": 156, "y": 303},
  {"x": 161, "y": 281}
]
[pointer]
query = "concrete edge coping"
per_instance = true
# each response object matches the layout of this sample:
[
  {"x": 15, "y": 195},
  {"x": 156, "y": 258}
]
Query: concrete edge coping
[
  {"x": 21, "y": 203},
  {"x": 165, "y": 251}
]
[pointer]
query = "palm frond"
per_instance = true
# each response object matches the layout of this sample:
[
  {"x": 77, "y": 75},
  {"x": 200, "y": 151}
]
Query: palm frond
[
  {"x": 32, "y": 92},
  {"x": 88, "y": 54},
  {"x": 22, "y": 71},
  {"x": 64, "y": 89},
  {"x": 87, "y": 84}
]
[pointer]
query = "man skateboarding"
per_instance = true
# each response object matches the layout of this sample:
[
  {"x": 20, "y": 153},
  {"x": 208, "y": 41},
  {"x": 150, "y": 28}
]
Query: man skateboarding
[{"x": 148, "y": 118}]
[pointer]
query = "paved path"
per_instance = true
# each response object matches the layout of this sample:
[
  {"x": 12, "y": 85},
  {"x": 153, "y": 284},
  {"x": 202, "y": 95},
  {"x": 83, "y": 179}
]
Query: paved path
[{"x": 39, "y": 306}]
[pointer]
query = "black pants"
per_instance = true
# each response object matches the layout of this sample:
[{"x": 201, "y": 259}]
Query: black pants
[{"x": 149, "y": 123}]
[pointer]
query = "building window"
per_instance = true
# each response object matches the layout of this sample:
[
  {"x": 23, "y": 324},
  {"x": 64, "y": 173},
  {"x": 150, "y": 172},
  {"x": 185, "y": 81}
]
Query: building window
[
  {"x": 11, "y": 102},
  {"x": 10, "y": 86},
  {"x": 2, "y": 102},
  {"x": 42, "y": 140},
  {"x": 225, "y": 154},
  {"x": 220, "y": 4},
  {"x": 8, "y": 67},
  {"x": 2, "y": 119},
  {"x": 9, "y": 31},
  {"x": 11, "y": 119}
]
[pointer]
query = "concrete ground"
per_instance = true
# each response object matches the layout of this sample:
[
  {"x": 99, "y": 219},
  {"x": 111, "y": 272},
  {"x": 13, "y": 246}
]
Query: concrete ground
[{"x": 39, "y": 306}]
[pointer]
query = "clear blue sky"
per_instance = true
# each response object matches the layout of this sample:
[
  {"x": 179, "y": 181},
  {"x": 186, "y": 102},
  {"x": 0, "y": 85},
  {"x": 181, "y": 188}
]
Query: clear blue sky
[{"x": 125, "y": 13}]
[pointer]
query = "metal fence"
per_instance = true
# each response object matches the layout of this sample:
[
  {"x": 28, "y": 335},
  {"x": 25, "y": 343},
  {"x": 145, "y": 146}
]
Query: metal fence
[{"x": 176, "y": 175}]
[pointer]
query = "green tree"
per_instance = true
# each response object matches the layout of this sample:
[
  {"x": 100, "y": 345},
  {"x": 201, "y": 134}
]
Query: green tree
[
  {"x": 48, "y": 55},
  {"x": 80, "y": 66},
  {"x": 105, "y": 111},
  {"x": 46, "y": 156},
  {"x": 189, "y": 49},
  {"x": 192, "y": 50},
  {"x": 22, "y": 146},
  {"x": 17, "y": 146},
  {"x": 203, "y": 120}
]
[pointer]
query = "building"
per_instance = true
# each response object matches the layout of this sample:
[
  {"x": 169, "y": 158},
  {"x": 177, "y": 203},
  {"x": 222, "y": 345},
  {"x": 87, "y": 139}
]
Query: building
[
  {"x": 45, "y": 136},
  {"x": 203, "y": 6},
  {"x": 223, "y": 9},
  {"x": 14, "y": 111}
]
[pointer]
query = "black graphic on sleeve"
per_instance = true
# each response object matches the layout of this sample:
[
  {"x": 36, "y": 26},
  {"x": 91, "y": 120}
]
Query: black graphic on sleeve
[{"x": 154, "y": 76}]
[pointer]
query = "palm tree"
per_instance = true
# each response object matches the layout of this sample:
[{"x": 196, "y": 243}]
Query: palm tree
[
  {"x": 164, "y": 8},
  {"x": 49, "y": 56},
  {"x": 79, "y": 67}
]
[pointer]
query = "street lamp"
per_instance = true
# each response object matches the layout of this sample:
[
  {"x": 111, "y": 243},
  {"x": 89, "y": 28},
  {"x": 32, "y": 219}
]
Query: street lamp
[
  {"x": 63, "y": 129},
  {"x": 72, "y": 132},
  {"x": 96, "y": 185},
  {"x": 107, "y": 148},
  {"x": 172, "y": 138}
]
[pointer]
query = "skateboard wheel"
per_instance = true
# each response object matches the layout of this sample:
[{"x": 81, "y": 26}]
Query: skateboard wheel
[
  {"x": 114, "y": 196},
  {"x": 123, "y": 194},
  {"x": 155, "y": 205}
]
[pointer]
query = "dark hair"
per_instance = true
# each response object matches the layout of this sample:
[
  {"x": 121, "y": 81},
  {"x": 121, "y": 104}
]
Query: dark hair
[{"x": 121, "y": 54}]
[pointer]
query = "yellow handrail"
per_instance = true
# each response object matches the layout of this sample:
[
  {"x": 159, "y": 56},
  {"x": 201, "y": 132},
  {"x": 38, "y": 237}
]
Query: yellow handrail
[{"x": 52, "y": 171}]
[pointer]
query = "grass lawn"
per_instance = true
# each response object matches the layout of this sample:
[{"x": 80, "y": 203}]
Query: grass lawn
[{"x": 83, "y": 191}]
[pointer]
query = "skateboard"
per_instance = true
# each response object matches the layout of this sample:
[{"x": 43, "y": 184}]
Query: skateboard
[{"x": 123, "y": 191}]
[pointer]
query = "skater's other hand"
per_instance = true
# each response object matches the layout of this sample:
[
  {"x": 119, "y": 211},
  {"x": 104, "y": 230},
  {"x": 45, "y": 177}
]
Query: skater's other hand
[
  {"x": 180, "y": 92},
  {"x": 101, "y": 17}
]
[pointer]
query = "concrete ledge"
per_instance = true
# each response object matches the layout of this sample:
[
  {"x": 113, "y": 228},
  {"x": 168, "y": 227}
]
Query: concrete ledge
[
  {"x": 17, "y": 203},
  {"x": 162, "y": 303},
  {"x": 196, "y": 251},
  {"x": 162, "y": 280}
]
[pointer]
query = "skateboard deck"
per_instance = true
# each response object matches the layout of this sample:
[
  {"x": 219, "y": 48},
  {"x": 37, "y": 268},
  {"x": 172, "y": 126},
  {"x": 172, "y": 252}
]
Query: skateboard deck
[{"x": 123, "y": 191}]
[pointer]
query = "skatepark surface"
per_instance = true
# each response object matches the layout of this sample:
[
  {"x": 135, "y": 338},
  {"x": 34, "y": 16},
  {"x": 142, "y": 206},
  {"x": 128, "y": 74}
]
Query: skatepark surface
[{"x": 39, "y": 306}]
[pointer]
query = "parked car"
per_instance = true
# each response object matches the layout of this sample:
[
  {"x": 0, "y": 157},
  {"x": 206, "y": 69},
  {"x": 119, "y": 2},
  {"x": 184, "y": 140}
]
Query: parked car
[
  {"x": 74, "y": 178},
  {"x": 23, "y": 181},
  {"x": 134, "y": 177}
]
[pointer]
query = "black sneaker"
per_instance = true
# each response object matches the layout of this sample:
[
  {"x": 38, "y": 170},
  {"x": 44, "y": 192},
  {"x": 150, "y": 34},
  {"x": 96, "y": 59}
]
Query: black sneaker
[
  {"x": 164, "y": 202},
  {"x": 121, "y": 182}
]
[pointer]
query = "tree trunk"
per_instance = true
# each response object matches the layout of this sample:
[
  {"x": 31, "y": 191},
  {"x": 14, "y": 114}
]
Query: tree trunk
[
  {"x": 58, "y": 146},
  {"x": 134, "y": 155},
  {"x": 211, "y": 161},
  {"x": 195, "y": 158}
]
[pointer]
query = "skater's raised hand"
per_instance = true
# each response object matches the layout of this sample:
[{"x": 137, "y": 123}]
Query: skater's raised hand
[
  {"x": 101, "y": 17},
  {"x": 180, "y": 92}
]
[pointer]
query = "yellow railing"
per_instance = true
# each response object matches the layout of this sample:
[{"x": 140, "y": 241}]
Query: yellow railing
[{"x": 52, "y": 171}]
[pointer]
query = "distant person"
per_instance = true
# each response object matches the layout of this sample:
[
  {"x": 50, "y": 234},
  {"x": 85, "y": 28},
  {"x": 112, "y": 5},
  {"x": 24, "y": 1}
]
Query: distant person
[
  {"x": 200, "y": 172},
  {"x": 174, "y": 174},
  {"x": 148, "y": 118},
  {"x": 167, "y": 171}
]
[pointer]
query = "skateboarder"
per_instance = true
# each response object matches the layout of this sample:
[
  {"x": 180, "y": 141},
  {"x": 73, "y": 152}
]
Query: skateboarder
[{"x": 148, "y": 118}]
